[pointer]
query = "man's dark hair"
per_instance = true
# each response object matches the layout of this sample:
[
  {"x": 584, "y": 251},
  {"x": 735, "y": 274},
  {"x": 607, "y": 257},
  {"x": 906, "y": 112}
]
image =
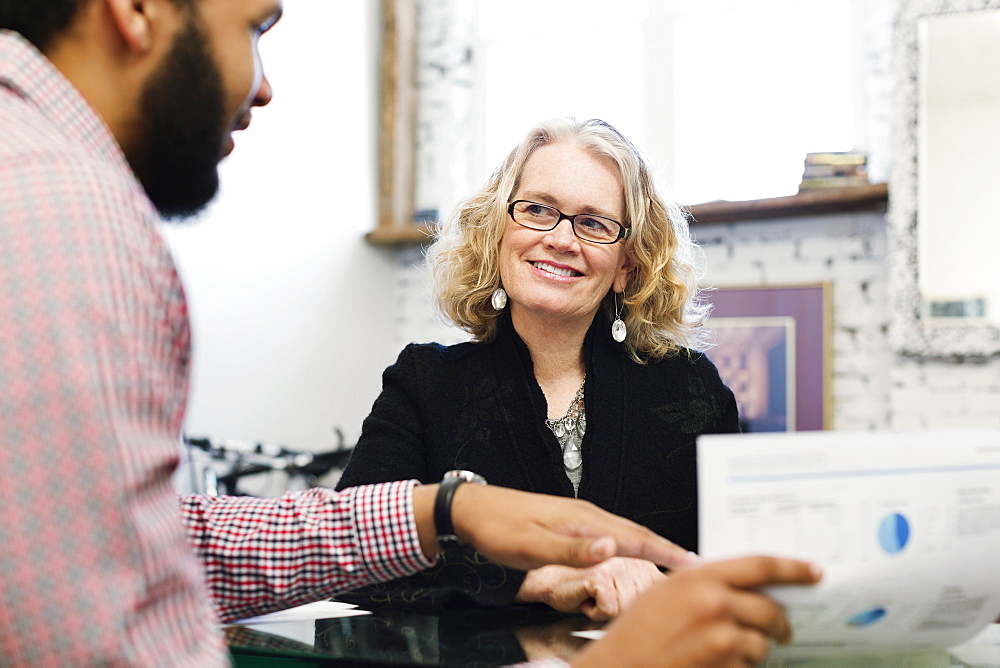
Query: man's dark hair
[{"x": 41, "y": 21}]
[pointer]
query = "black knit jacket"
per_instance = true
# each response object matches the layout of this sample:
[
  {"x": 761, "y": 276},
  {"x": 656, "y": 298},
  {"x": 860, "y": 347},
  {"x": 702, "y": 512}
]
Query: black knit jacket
[{"x": 478, "y": 407}]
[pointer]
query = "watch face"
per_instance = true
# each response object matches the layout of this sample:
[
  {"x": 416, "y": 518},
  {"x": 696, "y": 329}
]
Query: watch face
[{"x": 467, "y": 476}]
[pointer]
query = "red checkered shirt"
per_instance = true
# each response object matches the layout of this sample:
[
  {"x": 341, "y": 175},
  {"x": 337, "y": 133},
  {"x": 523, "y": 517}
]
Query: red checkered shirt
[{"x": 95, "y": 566}]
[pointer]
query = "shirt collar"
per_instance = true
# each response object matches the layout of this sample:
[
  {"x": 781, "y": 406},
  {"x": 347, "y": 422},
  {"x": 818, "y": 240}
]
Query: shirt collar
[{"x": 29, "y": 74}]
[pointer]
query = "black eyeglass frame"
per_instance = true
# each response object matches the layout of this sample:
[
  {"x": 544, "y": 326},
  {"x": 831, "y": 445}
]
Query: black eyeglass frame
[{"x": 623, "y": 231}]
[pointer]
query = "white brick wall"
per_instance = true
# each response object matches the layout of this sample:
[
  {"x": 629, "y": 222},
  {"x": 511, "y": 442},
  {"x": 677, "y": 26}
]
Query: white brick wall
[
  {"x": 416, "y": 320},
  {"x": 933, "y": 393}
]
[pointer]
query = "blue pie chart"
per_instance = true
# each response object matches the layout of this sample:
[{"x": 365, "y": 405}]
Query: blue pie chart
[
  {"x": 893, "y": 533},
  {"x": 866, "y": 617}
]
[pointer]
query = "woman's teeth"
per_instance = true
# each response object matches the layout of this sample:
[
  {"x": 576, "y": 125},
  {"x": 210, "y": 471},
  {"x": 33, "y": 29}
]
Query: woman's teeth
[{"x": 558, "y": 271}]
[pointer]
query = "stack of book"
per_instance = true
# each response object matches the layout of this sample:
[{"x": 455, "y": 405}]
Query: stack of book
[{"x": 834, "y": 170}]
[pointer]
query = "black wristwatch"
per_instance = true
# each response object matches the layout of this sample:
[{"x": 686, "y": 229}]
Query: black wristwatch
[{"x": 442, "y": 503}]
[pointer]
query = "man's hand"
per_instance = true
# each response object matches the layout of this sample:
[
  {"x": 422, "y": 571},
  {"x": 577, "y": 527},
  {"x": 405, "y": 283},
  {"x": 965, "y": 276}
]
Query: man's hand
[
  {"x": 523, "y": 530},
  {"x": 708, "y": 616},
  {"x": 600, "y": 592}
]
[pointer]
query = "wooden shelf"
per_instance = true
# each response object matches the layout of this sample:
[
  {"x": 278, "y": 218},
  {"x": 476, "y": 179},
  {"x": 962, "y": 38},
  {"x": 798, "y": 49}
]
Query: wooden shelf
[
  {"x": 422, "y": 233},
  {"x": 873, "y": 197}
]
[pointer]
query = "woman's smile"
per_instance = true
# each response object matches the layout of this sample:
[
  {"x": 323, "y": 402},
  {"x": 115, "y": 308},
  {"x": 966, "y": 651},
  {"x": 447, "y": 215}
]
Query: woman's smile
[{"x": 550, "y": 269}]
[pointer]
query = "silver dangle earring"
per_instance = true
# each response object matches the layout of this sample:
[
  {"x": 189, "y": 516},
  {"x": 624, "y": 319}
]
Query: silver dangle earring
[
  {"x": 499, "y": 298},
  {"x": 618, "y": 330}
]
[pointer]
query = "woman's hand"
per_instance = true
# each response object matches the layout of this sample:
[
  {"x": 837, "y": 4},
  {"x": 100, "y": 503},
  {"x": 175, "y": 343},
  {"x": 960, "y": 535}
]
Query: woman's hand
[{"x": 600, "y": 592}]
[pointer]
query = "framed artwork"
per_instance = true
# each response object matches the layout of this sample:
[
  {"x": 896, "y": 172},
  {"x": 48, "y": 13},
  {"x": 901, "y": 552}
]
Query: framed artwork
[{"x": 773, "y": 350}]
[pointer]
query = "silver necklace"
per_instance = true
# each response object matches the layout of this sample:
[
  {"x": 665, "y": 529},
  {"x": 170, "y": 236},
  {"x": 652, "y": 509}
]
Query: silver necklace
[{"x": 569, "y": 430}]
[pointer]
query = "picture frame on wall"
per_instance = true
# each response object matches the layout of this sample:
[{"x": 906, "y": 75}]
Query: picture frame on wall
[{"x": 772, "y": 348}]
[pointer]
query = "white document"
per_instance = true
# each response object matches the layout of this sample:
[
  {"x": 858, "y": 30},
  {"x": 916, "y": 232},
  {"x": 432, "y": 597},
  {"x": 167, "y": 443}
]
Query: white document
[
  {"x": 299, "y": 623},
  {"x": 906, "y": 527},
  {"x": 308, "y": 612}
]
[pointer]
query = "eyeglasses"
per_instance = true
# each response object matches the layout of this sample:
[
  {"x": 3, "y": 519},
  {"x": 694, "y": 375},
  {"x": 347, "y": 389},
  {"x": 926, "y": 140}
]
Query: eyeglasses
[{"x": 586, "y": 226}]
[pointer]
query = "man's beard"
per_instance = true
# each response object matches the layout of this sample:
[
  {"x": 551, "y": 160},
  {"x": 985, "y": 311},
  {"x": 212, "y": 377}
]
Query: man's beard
[{"x": 183, "y": 127}]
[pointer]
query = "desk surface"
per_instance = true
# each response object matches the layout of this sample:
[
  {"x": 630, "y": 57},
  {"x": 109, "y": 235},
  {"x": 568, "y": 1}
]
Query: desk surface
[
  {"x": 485, "y": 638},
  {"x": 388, "y": 637}
]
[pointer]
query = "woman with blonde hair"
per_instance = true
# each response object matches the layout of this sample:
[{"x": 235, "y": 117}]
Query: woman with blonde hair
[{"x": 578, "y": 282}]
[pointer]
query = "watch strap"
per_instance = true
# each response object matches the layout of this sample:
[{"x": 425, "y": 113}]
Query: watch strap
[
  {"x": 442, "y": 502},
  {"x": 442, "y": 508}
]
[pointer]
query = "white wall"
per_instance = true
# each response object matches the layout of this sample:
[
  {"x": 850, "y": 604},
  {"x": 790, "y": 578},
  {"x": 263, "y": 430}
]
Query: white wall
[{"x": 292, "y": 311}]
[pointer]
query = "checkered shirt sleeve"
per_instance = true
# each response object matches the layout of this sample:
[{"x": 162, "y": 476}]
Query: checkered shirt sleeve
[{"x": 262, "y": 555}]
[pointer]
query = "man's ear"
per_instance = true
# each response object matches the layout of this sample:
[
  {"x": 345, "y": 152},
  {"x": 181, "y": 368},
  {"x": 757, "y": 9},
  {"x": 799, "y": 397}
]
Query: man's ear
[{"x": 133, "y": 21}]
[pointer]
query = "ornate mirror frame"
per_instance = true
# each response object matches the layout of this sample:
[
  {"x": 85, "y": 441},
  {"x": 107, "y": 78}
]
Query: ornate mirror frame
[{"x": 910, "y": 333}]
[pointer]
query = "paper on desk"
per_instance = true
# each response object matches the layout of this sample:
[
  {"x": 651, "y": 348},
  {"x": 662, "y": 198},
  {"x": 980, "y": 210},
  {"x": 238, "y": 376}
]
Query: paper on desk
[
  {"x": 308, "y": 612},
  {"x": 905, "y": 525},
  {"x": 298, "y": 623}
]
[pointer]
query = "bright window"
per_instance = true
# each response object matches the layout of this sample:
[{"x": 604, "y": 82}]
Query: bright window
[
  {"x": 541, "y": 58},
  {"x": 726, "y": 97}
]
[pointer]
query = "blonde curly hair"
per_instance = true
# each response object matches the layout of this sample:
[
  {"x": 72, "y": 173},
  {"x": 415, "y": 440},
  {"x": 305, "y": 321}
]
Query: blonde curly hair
[{"x": 662, "y": 309}]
